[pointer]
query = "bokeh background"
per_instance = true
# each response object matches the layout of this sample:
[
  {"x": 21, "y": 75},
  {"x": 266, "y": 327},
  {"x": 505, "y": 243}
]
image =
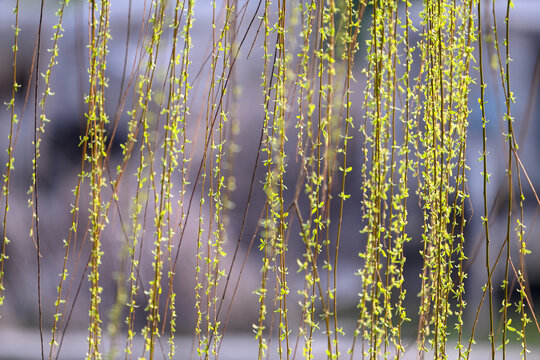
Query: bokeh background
[{"x": 61, "y": 155}]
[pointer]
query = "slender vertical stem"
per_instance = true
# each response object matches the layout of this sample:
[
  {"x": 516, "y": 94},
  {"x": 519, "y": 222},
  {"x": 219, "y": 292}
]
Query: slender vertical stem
[{"x": 485, "y": 177}]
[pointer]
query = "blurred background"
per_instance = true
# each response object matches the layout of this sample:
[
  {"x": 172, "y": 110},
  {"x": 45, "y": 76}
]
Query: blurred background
[{"x": 61, "y": 157}]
